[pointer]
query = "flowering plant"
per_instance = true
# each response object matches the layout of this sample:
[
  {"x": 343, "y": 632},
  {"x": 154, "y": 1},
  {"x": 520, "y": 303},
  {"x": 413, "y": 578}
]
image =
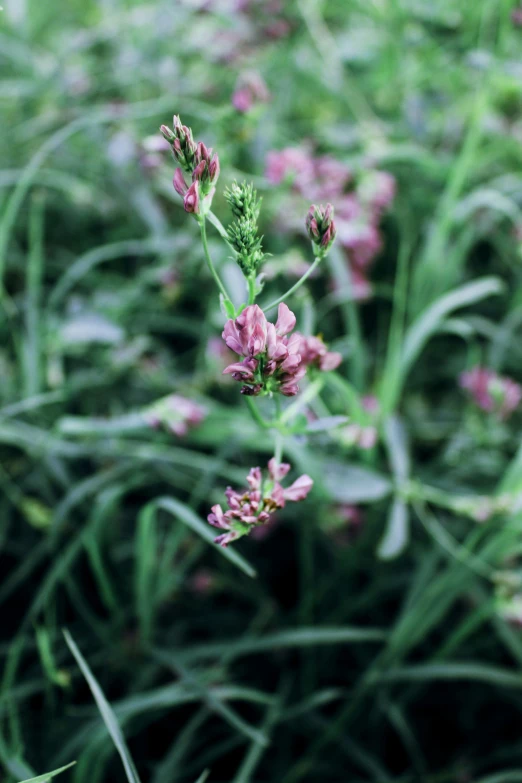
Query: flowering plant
[{"x": 272, "y": 357}]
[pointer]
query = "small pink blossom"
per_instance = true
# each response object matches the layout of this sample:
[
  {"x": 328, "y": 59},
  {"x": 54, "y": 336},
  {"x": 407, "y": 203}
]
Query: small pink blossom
[
  {"x": 491, "y": 392},
  {"x": 254, "y": 505},
  {"x": 292, "y": 163},
  {"x": 363, "y": 437},
  {"x": 271, "y": 360},
  {"x": 191, "y": 200},
  {"x": 314, "y": 352},
  {"x": 250, "y": 91},
  {"x": 175, "y": 413}
]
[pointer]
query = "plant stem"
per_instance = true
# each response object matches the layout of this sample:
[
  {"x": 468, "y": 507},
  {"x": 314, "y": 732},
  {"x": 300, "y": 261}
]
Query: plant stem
[
  {"x": 296, "y": 286},
  {"x": 251, "y": 282},
  {"x": 254, "y": 412},
  {"x": 278, "y": 451},
  {"x": 202, "y": 225}
]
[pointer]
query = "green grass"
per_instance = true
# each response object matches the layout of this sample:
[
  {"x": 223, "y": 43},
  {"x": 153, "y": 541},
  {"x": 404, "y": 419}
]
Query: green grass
[{"x": 321, "y": 652}]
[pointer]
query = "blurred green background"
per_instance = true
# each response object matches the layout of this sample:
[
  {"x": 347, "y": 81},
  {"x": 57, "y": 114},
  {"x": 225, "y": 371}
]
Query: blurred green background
[{"x": 373, "y": 633}]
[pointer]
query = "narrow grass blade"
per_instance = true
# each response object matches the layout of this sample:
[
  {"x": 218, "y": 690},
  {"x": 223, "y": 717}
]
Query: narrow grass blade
[
  {"x": 48, "y": 775},
  {"x": 189, "y": 518},
  {"x": 105, "y": 710}
]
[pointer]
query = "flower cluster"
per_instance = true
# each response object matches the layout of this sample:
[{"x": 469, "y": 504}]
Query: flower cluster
[
  {"x": 321, "y": 228},
  {"x": 271, "y": 362},
  {"x": 254, "y": 505},
  {"x": 314, "y": 353},
  {"x": 359, "y": 200},
  {"x": 491, "y": 392},
  {"x": 243, "y": 232},
  {"x": 176, "y": 414},
  {"x": 194, "y": 159}
]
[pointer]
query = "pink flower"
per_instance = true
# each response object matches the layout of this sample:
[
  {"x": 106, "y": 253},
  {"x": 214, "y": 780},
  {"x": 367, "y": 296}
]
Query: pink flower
[
  {"x": 315, "y": 353},
  {"x": 320, "y": 226},
  {"x": 253, "y": 506},
  {"x": 294, "y": 163},
  {"x": 516, "y": 17},
  {"x": 271, "y": 362},
  {"x": 250, "y": 90},
  {"x": 491, "y": 392},
  {"x": 363, "y": 437},
  {"x": 191, "y": 200},
  {"x": 175, "y": 413}
]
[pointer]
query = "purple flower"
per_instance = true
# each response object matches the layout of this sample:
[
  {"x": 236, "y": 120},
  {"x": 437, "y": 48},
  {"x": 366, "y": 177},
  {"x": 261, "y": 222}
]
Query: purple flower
[
  {"x": 253, "y": 506},
  {"x": 294, "y": 163},
  {"x": 321, "y": 227},
  {"x": 491, "y": 392},
  {"x": 250, "y": 90},
  {"x": 315, "y": 353},
  {"x": 271, "y": 360},
  {"x": 191, "y": 200}
]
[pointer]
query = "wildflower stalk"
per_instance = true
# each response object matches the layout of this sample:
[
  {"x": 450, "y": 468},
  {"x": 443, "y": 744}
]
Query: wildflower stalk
[
  {"x": 255, "y": 414},
  {"x": 278, "y": 450},
  {"x": 296, "y": 286},
  {"x": 251, "y": 282},
  {"x": 202, "y": 226}
]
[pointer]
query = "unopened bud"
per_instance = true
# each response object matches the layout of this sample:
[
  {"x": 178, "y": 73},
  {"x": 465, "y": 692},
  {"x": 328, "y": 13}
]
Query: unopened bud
[
  {"x": 321, "y": 227},
  {"x": 191, "y": 200}
]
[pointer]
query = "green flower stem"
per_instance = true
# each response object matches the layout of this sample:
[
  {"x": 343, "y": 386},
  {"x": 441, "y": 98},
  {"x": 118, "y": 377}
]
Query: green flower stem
[
  {"x": 202, "y": 225},
  {"x": 299, "y": 283},
  {"x": 278, "y": 450},
  {"x": 254, "y": 412},
  {"x": 251, "y": 282}
]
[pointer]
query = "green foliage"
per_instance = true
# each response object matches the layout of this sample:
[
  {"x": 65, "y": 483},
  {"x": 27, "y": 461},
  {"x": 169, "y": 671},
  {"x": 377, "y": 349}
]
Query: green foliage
[{"x": 373, "y": 634}]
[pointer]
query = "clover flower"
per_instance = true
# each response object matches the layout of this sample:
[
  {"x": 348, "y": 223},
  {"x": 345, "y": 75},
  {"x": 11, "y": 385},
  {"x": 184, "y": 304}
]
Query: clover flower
[
  {"x": 253, "y": 505},
  {"x": 491, "y": 392},
  {"x": 314, "y": 353},
  {"x": 272, "y": 362}
]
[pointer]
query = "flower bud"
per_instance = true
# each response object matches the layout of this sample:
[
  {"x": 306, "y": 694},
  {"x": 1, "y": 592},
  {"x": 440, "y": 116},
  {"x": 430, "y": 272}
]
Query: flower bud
[
  {"x": 180, "y": 186},
  {"x": 191, "y": 200},
  {"x": 321, "y": 227},
  {"x": 181, "y": 142}
]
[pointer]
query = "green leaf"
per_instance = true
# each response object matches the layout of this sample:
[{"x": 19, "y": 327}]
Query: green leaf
[
  {"x": 397, "y": 531},
  {"x": 48, "y": 775},
  {"x": 427, "y": 324},
  {"x": 105, "y": 710},
  {"x": 353, "y": 484}
]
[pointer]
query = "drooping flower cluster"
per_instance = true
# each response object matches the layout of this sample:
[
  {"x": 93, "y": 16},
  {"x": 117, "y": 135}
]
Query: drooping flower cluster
[
  {"x": 254, "y": 505},
  {"x": 321, "y": 227},
  {"x": 314, "y": 353},
  {"x": 174, "y": 413},
  {"x": 272, "y": 362},
  {"x": 360, "y": 200},
  {"x": 196, "y": 160},
  {"x": 491, "y": 392}
]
